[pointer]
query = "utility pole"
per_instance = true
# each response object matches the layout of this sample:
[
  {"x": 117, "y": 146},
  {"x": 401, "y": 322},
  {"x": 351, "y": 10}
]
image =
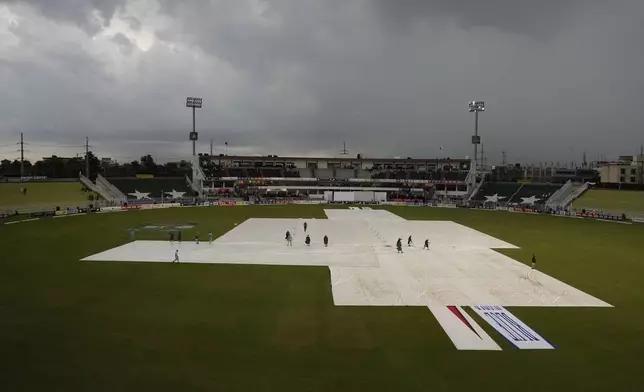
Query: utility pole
[
  {"x": 584, "y": 163},
  {"x": 210, "y": 147},
  {"x": 344, "y": 150},
  {"x": 86, "y": 156},
  {"x": 642, "y": 164},
  {"x": 22, "y": 157},
  {"x": 503, "y": 158}
]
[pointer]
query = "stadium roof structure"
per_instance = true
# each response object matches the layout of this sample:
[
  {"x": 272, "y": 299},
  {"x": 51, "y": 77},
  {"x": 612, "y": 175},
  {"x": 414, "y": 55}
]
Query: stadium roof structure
[{"x": 331, "y": 158}]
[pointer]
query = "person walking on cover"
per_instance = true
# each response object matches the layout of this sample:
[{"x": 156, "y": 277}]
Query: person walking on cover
[
  {"x": 426, "y": 246},
  {"x": 399, "y": 245},
  {"x": 176, "y": 256},
  {"x": 305, "y": 226},
  {"x": 326, "y": 241},
  {"x": 409, "y": 241},
  {"x": 289, "y": 239},
  {"x": 210, "y": 237},
  {"x": 534, "y": 261},
  {"x": 307, "y": 241}
]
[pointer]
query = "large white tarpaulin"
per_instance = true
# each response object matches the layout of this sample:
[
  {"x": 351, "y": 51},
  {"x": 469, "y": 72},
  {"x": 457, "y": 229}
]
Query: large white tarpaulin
[{"x": 513, "y": 329}]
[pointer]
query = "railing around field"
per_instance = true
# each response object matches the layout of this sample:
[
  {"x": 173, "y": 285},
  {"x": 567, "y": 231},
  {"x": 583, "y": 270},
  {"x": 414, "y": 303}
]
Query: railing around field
[
  {"x": 196, "y": 185},
  {"x": 576, "y": 194},
  {"x": 91, "y": 186},
  {"x": 561, "y": 193},
  {"x": 114, "y": 192},
  {"x": 515, "y": 193},
  {"x": 476, "y": 190}
]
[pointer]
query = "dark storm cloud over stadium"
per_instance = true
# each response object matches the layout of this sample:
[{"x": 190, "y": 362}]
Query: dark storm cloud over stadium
[{"x": 300, "y": 77}]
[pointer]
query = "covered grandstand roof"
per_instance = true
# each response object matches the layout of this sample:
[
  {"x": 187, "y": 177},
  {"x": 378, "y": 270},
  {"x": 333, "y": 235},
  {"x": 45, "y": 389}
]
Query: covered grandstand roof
[{"x": 342, "y": 159}]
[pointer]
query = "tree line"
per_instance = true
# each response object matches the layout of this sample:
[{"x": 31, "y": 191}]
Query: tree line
[{"x": 57, "y": 167}]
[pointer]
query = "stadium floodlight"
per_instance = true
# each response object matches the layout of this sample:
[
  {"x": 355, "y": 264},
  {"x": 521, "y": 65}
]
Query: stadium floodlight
[
  {"x": 476, "y": 107},
  {"x": 194, "y": 103}
]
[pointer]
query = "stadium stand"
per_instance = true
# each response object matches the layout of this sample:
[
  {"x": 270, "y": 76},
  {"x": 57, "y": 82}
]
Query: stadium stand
[
  {"x": 504, "y": 191},
  {"x": 272, "y": 172},
  {"x": 252, "y": 172},
  {"x": 342, "y": 174},
  {"x": 556, "y": 199},
  {"x": 380, "y": 175},
  {"x": 154, "y": 187},
  {"x": 361, "y": 173},
  {"x": 541, "y": 192},
  {"x": 324, "y": 174},
  {"x": 236, "y": 172}
]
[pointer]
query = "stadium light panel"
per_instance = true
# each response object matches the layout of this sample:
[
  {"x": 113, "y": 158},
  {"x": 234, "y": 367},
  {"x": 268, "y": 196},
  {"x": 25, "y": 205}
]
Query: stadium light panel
[
  {"x": 476, "y": 106},
  {"x": 194, "y": 102}
]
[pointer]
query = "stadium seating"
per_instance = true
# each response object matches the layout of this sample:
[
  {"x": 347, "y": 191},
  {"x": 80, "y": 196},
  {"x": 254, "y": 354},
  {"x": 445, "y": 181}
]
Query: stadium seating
[
  {"x": 214, "y": 171},
  {"x": 513, "y": 192},
  {"x": 342, "y": 174},
  {"x": 380, "y": 175},
  {"x": 541, "y": 192},
  {"x": 272, "y": 172},
  {"x": 324, "y": 174},
  {"x": 504, "y": 191},
  {"x": 153, "y": 187},
  {"x": 417, "y": 175},
  {"x": 252, "y": 172},
  {"x": 236, "y": 172}
]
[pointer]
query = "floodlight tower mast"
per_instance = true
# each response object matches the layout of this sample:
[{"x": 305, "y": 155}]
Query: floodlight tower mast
[
  {"x": 344, "y": 150},
  {"x": 194, "y": 103},
  {"x": 476, "y": 107}
]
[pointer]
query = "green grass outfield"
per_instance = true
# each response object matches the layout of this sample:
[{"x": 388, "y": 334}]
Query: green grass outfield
[
  {"x": 67, "y": 325},
  {"x": 615, "y": 201},
  {"x": 41, "y": 194}
]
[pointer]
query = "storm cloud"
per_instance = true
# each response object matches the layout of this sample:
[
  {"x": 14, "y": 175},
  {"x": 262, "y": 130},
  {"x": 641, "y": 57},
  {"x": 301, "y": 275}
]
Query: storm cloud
[{"x": 390, "y": 78}]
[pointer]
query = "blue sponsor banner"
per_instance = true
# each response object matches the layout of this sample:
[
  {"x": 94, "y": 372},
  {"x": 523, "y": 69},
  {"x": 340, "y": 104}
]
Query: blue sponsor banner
[{"x": 513, "y": 329}]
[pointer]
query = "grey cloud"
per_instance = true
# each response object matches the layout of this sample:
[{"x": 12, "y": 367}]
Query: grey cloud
[
  {"x": 370, "y": 82},
  {"x": 134, "y": 23},
  {"x": 123, "y": 42},
  {"x": 78, "y": 12},
  {"x": 390, "y": 78},
  {"x": 534, "y": 18}
]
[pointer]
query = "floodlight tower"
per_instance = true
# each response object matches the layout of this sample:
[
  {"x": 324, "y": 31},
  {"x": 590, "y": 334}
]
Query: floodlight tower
[
  {"x": 476, "y": 107},
  {"x": 194, "y": 103}
]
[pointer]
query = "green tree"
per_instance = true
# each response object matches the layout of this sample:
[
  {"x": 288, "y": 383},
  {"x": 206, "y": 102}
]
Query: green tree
[
  {"x": 148, "y": 166},
  {"x": 135, "y": 167},
  {"x": 94, "y": 164}
]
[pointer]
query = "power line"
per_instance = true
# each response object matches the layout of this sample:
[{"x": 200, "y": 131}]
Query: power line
[{"x": 56, "y": 145}]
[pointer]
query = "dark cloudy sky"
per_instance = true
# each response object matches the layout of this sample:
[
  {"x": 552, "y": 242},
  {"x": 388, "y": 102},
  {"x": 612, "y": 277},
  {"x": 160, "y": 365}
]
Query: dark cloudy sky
[{"x": 391, "y": 77}]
